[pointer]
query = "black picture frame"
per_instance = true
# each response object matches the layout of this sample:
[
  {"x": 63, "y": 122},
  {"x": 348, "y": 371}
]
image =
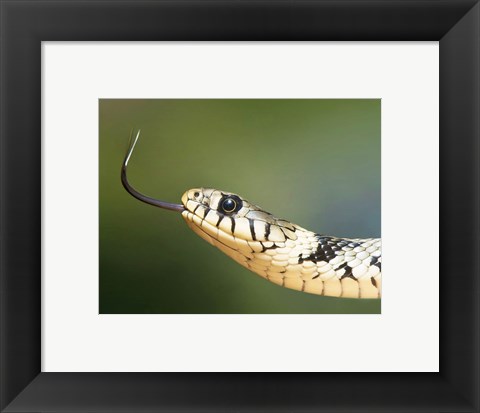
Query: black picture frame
[{"x": 25, "y": 24}]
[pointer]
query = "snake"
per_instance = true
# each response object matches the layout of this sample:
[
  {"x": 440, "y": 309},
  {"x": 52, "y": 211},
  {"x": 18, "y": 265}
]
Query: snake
[{"x": 277, "y": 250}]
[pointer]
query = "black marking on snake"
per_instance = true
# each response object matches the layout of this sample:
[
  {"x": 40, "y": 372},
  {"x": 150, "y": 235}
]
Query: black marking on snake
[
  {"x": 318, "y": 255},
  {"x": 220, "y": 220},
  {"x": 232, "y": 225},
  {"x": 205, "y": 213},
  {"x": 252, "y": 229},
  {"x": 326, "y": 249},
  {"x": 195, "y": 210},
  {"x": 283, "y": 232},
  {"x": 375, "y": 262},
  {"x": 373, "y": 281},
  {"x": 267, "y": 230},
  {"x": 341, "y": 266},
  {"x": 348, "y": 273},
  {"x": 264, "y": 248}
]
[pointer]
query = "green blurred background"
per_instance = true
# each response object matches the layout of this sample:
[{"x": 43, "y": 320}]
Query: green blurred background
[{"x": 313, "y": 162}]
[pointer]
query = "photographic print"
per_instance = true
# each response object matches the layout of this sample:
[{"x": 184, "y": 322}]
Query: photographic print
[{"x": 240, "y": 206}]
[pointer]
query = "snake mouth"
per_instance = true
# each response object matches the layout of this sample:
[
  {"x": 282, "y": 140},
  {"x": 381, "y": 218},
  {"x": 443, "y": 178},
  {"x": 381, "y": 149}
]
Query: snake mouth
[{"x": 132, "y": 191}]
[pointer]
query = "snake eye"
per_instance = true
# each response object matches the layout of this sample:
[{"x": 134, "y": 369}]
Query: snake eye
[{"x": 229, "y": 205}]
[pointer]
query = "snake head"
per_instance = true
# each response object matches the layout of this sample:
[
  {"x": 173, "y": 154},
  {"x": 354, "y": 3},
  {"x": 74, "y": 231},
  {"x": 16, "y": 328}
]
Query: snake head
[{"x": 227, "y": 220}]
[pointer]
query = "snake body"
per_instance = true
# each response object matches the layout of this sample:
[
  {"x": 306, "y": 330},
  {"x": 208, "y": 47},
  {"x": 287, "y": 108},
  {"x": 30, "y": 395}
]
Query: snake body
[
  {"x": 281, "y": 252},
  {"x": 276, "y": 249}
]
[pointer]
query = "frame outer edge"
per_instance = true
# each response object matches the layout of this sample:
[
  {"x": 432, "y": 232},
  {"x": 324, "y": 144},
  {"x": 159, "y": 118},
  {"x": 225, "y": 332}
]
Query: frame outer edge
[
  {"x": 20, "y": 206},
  {"x": 23, "y": 25},
  {"x": 460, "y": 205}
]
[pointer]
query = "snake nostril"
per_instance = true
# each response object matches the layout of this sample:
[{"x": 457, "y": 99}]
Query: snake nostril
[{"x": 196, "y": 194}]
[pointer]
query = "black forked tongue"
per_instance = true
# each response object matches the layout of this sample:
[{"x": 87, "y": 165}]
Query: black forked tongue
[{"x": 132, "y": 191}]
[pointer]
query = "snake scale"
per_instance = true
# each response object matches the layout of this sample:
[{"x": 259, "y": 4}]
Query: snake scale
[{"x": 276, "y": 249}]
